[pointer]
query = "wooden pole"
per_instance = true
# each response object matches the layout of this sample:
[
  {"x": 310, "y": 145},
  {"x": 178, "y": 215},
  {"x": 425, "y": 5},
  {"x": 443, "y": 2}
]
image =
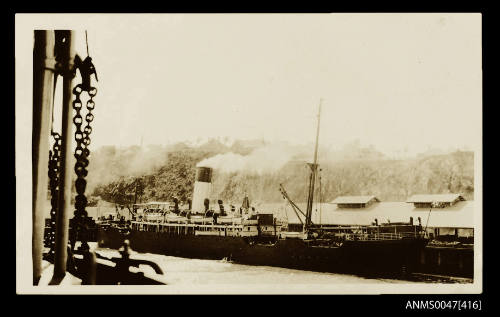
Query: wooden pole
[
  {"x": 64, "y": 202},
  {"x": 312, "y": 177},
  {"x": 320, "y": 200},
  {"x": 43, "y": 80}
]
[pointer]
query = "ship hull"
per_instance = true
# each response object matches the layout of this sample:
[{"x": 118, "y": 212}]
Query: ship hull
[{"x": 370, "y": 258}]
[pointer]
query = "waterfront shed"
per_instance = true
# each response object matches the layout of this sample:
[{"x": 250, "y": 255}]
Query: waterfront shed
[{"x": 453, "y": 217}]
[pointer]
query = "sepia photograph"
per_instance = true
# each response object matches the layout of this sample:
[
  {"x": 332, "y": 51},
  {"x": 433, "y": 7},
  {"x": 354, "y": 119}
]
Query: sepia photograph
[{"x": 326, "y": 153}]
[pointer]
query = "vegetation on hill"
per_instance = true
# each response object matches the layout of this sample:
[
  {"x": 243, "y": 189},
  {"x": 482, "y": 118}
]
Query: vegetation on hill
[{"x": 133, "y": 174}]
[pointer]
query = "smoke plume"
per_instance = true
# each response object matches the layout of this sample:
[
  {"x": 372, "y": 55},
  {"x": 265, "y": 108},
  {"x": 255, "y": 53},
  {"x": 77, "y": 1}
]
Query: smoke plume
[{"x": 265, "y": 159}]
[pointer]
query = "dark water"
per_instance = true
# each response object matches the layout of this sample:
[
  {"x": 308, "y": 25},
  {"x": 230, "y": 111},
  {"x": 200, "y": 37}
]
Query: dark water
[{"x": 188, "y": 272}]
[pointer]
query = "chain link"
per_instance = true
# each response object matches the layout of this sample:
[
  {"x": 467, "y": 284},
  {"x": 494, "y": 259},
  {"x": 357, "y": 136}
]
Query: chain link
[
  {"x": 82, "y": 152},
  {"x": 54, "y": 164}
]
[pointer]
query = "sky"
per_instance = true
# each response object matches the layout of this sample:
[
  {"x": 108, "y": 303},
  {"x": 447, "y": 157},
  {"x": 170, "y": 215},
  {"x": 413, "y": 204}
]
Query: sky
[{"x": 399, "y": 82}]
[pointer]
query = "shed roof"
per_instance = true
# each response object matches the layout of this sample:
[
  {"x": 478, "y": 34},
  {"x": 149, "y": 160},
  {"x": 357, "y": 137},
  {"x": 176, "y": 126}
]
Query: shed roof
[
  {"x": 459, "y": 215},
  {"x": 158, "y": 203},
  {"x": 440, "y": 198},
  {"x": 354, "y": 199}
]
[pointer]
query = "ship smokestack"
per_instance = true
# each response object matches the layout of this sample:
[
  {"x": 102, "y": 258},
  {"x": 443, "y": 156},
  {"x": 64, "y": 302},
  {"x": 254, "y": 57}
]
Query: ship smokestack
[{"x": 202, "y": 188}]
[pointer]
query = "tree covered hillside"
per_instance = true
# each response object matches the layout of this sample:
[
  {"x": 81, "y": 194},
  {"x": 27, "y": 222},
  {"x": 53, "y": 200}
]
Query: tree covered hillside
[{"x": 158, "y": 174}]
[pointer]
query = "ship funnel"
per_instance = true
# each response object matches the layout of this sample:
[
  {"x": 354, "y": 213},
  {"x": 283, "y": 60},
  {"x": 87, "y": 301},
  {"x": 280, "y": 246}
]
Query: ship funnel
[{"x": 202, "y": 188}]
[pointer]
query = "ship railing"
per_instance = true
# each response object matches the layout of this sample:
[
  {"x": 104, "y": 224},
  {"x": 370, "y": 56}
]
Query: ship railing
[
  {"x": 380, "y": 236},
  {"x": 141, "y": 224},
  {"x": 218, "y": 226}
]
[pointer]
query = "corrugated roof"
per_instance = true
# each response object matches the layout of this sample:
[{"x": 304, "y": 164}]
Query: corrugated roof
[
  {"x": 158, "y": 203},
  {"x": 96, "y": 212},
  {"x": 441, "y": 198},
  {"x": 353, "y": 199},
  {"x": 459, "y": 215}
]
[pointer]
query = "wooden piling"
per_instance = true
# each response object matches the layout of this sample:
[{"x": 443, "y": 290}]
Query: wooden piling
[
  {"x": 43, "y": 81},
  {"x": 64, "y": 202}
]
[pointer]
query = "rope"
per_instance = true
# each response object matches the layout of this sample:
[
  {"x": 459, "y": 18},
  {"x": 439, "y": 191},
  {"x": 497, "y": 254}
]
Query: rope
[
  {"x": 320, "y": 200},
  {"x": 428, "y": 216},
  {"x": 87, "y": 43},
  {"x": 53, "y": 105}
]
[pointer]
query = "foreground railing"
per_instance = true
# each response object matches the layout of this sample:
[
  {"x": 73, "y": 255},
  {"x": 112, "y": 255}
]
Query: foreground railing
[{"x": 380, "y": 236}]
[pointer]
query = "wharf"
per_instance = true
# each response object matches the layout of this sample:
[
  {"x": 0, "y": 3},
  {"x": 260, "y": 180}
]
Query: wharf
[{"x": 447, "y": 259}]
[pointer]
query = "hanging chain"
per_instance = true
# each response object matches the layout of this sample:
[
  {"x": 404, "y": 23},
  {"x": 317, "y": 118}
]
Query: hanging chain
[
  {"x": 82, "y": 137},
  {"x": 79, "y": 228},
  {"x": 82, "y": 152},
  {"x": 54, "y": 162}
]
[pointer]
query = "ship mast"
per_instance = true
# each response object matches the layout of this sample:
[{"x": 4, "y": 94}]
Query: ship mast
[{"x": 312, "y": 177}]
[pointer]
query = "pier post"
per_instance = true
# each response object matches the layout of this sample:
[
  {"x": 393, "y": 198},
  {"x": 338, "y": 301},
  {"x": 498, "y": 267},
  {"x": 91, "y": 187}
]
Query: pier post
[
  {"x": 43, "y": 81},
  {"x": 64, "y": 203}
]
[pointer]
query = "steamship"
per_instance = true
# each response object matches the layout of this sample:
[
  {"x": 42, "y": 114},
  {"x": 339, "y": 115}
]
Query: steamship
[{"x": 248, "y": 237}]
